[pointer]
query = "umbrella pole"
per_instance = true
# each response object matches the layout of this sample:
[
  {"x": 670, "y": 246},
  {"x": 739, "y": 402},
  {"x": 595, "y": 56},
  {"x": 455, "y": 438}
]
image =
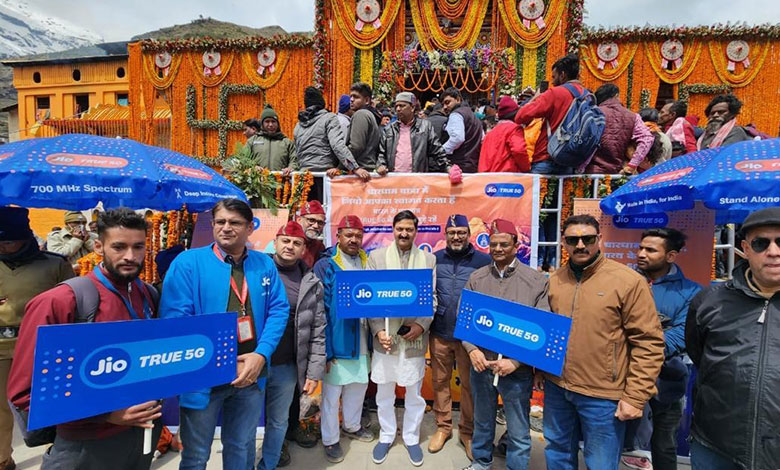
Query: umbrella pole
[
  {"x": 148, "y": 439},
  {"x": 495, "y": 374}
]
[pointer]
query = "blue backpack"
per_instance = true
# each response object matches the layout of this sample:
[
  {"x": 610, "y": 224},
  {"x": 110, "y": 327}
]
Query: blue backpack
[{"x": 575, "y": 141}]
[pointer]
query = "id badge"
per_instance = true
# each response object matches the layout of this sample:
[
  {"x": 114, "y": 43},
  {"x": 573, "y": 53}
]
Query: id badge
[{"x": 245, "y": 330}]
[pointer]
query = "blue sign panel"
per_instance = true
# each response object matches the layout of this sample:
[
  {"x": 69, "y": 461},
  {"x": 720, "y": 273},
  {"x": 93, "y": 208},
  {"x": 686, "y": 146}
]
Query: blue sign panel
[
  {"x": 529, "y": 335},
  {"x": 87, "y": 369},
  {"x": 385, "y": 293}
]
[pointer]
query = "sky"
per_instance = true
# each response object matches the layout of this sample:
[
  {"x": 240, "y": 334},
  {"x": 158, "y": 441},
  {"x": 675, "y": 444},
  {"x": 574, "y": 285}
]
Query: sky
[{"x": 118, "y": 20}]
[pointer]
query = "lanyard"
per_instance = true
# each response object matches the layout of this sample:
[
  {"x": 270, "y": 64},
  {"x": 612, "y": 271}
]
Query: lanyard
[
  {"x": 147, "y": 310},
  {"x": 242, "y": 296}
]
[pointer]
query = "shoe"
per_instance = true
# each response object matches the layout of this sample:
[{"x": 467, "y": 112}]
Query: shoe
[
  {"x": 8, "y": 464},
  {"x": 284, "y": 459},
  {"x": 304, "y": 438},
  {"x": 362, "y": 434},
  {"x": 636, "y": 462},
  {"x": 466, "y": 443},
  {"x": 437, "y": 441},
  {"x": 415, "y": 454},
  {"x": 500, "y": 417},
  {"x": 333, "y": 453},
  {"x": 380, "y": 452}
]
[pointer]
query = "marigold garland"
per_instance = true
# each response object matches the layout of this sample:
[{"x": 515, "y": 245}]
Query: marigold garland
[
  {"x": 151, "y": 70},
  {"x": 689, "y": 60},
  {"x": 452, "y": 9},
  {"x": 369, "y": 37},
  {"x": 566, "y": 208},
  {"x": 88, "y": 262},
  {"x": 430, "y": 33},
  {"x": 713, "y": 269},
  {"x": 591, "y": 60},
  {"x": 533, "y": 37},
  {"x": 196, "y": 62},
  {"x": 250, "y": 64},
  {"x": 255, "y": 43},
  {"x": 747, "y": 75}
]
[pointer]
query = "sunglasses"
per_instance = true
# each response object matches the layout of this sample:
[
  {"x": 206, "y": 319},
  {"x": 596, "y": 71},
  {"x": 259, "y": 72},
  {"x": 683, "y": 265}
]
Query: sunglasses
[
  {"x": 760, "y": 244},
  {"x": 586, "y": 239}
]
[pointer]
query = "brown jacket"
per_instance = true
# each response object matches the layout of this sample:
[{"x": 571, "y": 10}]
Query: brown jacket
[
  {"x": 520, "y": 284},
  {"x": 616, "y": 345}
]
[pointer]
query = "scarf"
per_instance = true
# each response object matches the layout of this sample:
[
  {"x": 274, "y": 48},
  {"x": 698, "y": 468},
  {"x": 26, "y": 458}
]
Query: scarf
[
  {"x": 340, "y": 262},
  {"x": 393, "y": 261},
  {"x": 720, "y": 136},
  {"x": 676, "y": 131},
  {"x": 29, "y": 251}
]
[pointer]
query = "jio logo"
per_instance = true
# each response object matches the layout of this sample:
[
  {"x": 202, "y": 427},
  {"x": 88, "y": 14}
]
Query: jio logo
[
  {"x": 425, "y": 247},
  {"x": 491, "y": 189},
  {"x": 256, "y": 223},
  {"x": 483, "y": 240},
  {"x": 363, "y": 293},
  {"x": 484, "y": 321},
  {"x": 110, "y": 366}
]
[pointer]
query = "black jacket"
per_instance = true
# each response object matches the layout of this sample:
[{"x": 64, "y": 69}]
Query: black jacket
[
  {"x": 733, "y": 336},
  {"x": 427, "y": 153}
]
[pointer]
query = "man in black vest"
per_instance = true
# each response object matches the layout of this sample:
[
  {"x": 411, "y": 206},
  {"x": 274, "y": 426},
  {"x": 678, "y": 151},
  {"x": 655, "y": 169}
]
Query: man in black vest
[{"x": 464, "y": 130}]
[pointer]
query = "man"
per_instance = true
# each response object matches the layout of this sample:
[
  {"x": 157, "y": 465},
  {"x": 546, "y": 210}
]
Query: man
[
  {"x": 732, "y": 335},
  {"x": 615, "y": 352},
  {"x": 251, "y": 127},
  {"x": 25, "y": 272},
  {"x": 672, "y": 120},
  {"x": 410, "y": 145},
  {"x": 439, "y": 121},
  {"x": 722, "y": 128},
  {"x": 112, "y": 440},
  {"x": 346, "y": 345},
  {"x": 552, "y": 106},
  {"x": 298, "y": 363},
  {"x": 508, "y": 279},
  {"x": 454, "y": 265},
  {"x": 399, "y": 354},
  {"x": 364, "y": 132},
  {"x": 319, "y": 141},
  {"x": 345, "y": 113},
  {"x": 312, "y": 219},
  {"x": 74, "y": 241},
  {"x": 227, "y": 277},
  {"x": 623, "y": 129},
  {"x": 270, "y": 148},
  {"x": 503, "y": 149},
  {"x": 672, "y": 292},
  {"x": 464, "y": 131}
]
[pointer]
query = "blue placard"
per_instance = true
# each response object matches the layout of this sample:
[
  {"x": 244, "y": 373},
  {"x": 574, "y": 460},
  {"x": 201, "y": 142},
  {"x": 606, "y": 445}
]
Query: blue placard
[
  {"x": 529, "y": 335},
  {"x": 384, "y": 293},
  {"x": 86, "y": 369}
]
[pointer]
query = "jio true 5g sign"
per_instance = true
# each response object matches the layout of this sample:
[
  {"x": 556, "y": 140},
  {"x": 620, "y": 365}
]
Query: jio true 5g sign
[{"x": 386, "y": 293}]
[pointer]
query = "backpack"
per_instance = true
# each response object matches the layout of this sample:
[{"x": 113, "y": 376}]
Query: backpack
[
  {"x": 87, "y": 303},
  {"x": 575, "y": 141}
]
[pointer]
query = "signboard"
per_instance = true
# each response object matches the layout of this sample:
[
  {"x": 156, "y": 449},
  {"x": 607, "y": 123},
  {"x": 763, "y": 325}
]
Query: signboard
[
  {"x": 529, "y": 335},
  {"x": 86, "y": 369},
  {"x": 384, "y": 293},
  {"x": 262, "y": 239}
]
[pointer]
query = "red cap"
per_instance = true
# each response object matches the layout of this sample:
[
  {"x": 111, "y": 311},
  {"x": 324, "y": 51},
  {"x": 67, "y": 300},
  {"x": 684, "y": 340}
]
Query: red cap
[
  {"x": 312, "y": 207},
  {"x": 502, "y": 226},
  {"x": 291, "y": 229},
  {"x": 506, "y": 106},
  {"x": 350, "y": 221}
]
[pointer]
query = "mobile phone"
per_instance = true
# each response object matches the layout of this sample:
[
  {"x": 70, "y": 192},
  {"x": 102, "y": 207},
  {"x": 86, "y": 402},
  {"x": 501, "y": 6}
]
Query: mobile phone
[
  {"x": 543, "y": 86},
  {"x": 403, "y": 330}
]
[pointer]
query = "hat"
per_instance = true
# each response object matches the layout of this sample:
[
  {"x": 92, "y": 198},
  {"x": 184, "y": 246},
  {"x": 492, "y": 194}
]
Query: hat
[
  {"x": 313, "y": 97},
  {"x": 506, "y": 106},
  {"x": 502, "y": 226},
  {"x": 291, "y": 229},
  {"x": 75, "y": 217},
  {"x": 269, "y": 113},
  {"x": 344, "y": 103},
  {"x": 457, "y": 220},
  {"x": 761, "y": 218},
  {"x": 14, "y": 224},
  {"x": 350, "y": 221},
  {"x": 406, "y": 97},
  {"x": 164, "y": 259},
  {"x": 312, "y": 207}
]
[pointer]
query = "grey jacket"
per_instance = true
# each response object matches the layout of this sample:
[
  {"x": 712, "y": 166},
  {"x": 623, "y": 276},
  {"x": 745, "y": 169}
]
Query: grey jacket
[
  {"x": 310, "y": 329},
  {"x": 427, "y": 153},
  {"x": 363, "y": 138},
  {"x": 376, "y": 260},
  {"x": 319, "y": 141}
]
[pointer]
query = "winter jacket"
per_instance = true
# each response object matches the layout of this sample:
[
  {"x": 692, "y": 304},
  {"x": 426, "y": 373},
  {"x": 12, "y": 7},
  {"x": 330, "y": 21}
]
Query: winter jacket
[
  {"x": 504, "y": 150},
  {"x": 452, "y": 273},
  {"x": 198, "y": 283},
  {"x": 737, "y": 134},
  {"x": 363, "y": 138},
  {"x": 611, "y": 155},
  {"x": 62, "y": 242},
  {"x": 438, "y": 120},
  {"x": 552, "y": 105},
  {"x": 466, "y": 156},
  {"x": 319, "y": 142},
  {"x": 275, "y": 151},
  {"x": 616, "y": 346},
  {"x": 427, "y": 152},
  {"x": 733, "y": 336},
  {"x": 690, "y": 136}
]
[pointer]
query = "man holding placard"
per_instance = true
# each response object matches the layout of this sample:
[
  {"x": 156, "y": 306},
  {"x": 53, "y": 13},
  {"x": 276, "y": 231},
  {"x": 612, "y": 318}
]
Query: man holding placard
[
  {"x": 399, "y": 352},
  {"x": 508, "y": 279}
]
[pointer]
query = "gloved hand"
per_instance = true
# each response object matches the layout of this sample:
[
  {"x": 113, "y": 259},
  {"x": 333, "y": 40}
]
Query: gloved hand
[{"x": 456, "y": 174}]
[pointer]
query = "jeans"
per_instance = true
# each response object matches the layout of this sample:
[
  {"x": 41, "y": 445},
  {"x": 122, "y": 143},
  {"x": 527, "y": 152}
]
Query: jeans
[
  {"x": 569, "y": 416},
  {"x": 549, "y": 167},
  {"x": 241, "y": 409},
  {"x": 515, "y": 390},
  {"x": 704, "y": 458},
  {"x": 280, "y": 389}
]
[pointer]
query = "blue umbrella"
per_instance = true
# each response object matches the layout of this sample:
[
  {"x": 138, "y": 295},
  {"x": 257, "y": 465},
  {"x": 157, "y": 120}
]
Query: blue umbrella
[
  {"x": 76, "y": 171},
  {"x": 733, "y": 180}
]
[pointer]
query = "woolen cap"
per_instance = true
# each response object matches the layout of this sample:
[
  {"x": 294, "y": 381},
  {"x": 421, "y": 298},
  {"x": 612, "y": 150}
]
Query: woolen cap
[
  {"x": 344, "y": 103},
  {"x": 457, "y": 220},
  {"x": 761, "y": 218},
  {"x": 291, "y": 229},
  {"x": 406, "y": 97},
  {"x": 75, "y": 217},
  {"x": 506, "y": 106},
  {"x": 502, "y": 226},
  {"x": 269, "y": 113},
  {"x": 312, "y": 207},
  {"x": 14, "y": 224},
  {"x": 350, "y": 221}
]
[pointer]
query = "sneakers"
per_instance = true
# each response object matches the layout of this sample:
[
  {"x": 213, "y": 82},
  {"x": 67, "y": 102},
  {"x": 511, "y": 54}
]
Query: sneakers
[
  {"x": 636, "y": 462},
  {"x": 380, "y": 452},
  {"x": 362, "y": 435},
  {"x": 333, "y": 453},
  {"x": 305, "y": 438},
  {"x": 415, "y": 454},
  {"x": 500, "y": 417},
  {"x": 284, "y": 458}
]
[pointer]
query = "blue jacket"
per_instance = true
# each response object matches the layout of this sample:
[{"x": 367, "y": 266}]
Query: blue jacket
[
  {"x": 192, "y": 287},
  {"x": 342, "y": 337},
  {"x": 451, "y": 275}
]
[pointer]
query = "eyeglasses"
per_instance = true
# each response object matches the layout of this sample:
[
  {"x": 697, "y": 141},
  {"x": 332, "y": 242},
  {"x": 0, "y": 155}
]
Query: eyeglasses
[
  {"x": 760, "y": 244},
  {"x": 457, "y": 233},
  {"x": 586, "y": 239},
  {"x": 312, "y": 221}
]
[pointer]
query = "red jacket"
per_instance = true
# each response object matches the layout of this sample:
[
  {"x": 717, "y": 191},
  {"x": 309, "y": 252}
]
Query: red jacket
[
  {"x": 552, "y": 105},
  {"x": 503, "y": 150},
  {"x": 312, "y": 251},
  {"x": 690, "y": 136},
  {"x": 54, "y": 307}
]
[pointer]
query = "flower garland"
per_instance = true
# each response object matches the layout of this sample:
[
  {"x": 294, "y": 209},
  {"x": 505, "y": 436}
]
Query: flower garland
[
  {"x": 758, "y": 51},
  {"x": 88, "y": 262},
  {"x": 644, "y": 98},
  {"x": 575, "y": 25},
  {"x": 684, "y": 91},
  {"x": 249, "y": 63},
  {"x": 255, "y": 43},
  {"x": 566, "y": 208},
  {"x": 319, "y": 45},
  {"x": 452, "y": 9},
  {"x": 369, "y": 37},
  {"x": 689, "y": 61},
  {"x": 713, "y": 269},
  {"x": 654, "y": 33},
  {"x": 630, "y": 85},
  {"x": 607, "y": 74},
  {"x": 151, "y": 71},
  {"x": 196, "y": 61},
  {"x": 430, "y": 33},
  {"x": 531, "y": 37}
]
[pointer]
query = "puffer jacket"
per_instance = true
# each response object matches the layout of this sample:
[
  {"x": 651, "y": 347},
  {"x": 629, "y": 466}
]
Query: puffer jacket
[
  {"x": 427, "y": 153},
  {"x": 733, "y": 336},
  {"x": 273, "y": 151},
  {"x": 611, "y": 156},
  {"x": 310, "y": 327},
  {"x": 319, "y": 141}
]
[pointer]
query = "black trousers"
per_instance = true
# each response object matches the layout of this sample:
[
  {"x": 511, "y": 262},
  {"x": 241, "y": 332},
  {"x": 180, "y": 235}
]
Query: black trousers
[
  {"x": 664, "y": 420},
  {"x": 294, "y": 421}
]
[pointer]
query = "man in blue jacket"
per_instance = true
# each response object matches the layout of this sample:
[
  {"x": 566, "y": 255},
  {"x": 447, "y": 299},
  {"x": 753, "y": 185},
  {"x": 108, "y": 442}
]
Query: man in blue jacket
[
  {"x": 672, "y": 293},
  {"x": 227, "y": 277},
  {"x": 454, "y": 265},
  {"x": 346, "y": 346}
]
